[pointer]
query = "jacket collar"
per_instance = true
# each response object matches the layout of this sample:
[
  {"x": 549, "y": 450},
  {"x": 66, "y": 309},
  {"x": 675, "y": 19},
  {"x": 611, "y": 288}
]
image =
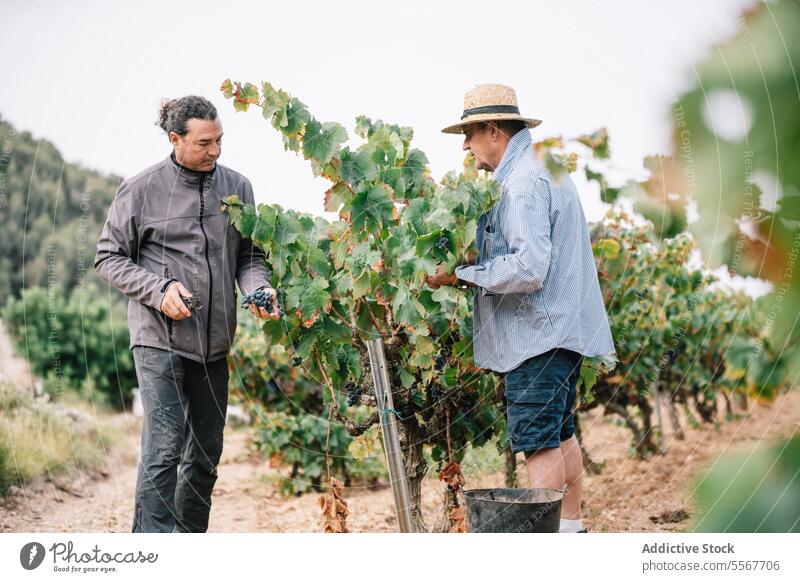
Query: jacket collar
[
  {"x": 518, "y": 142},
  {"x": 187, "y": 176}
]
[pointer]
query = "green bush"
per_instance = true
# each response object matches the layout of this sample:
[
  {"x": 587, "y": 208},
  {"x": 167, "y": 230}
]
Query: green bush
[
  {"x": 298, "y": 442},
  {"x": 292, "y": 418},
  {"x": 75, "y": 342}
]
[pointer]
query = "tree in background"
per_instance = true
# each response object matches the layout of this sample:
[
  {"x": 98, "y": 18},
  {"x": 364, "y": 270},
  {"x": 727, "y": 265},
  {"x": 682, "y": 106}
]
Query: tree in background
[{"x": 51, "y": 213}]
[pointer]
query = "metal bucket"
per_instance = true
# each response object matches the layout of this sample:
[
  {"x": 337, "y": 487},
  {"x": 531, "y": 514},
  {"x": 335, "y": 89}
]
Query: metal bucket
[{"x": 513, "y": 510}]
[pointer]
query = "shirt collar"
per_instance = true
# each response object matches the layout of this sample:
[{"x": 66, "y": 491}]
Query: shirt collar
[{"x": 518, "y": 143}]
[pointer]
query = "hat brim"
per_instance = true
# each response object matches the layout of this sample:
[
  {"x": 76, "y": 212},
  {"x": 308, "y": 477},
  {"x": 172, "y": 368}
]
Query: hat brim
[{"x": 459, "y": 127}]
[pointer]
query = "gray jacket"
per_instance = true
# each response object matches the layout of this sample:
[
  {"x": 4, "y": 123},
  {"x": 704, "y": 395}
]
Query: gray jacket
[{"x": 166, "y": 224}]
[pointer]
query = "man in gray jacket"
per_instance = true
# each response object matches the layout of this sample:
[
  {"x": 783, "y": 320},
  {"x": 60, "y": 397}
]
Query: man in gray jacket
[{"x": 168, "y": 246}]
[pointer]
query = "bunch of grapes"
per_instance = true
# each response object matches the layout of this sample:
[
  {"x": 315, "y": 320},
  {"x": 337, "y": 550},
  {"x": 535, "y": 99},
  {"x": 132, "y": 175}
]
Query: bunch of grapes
[
  {"x": 442, "y": 243},
  {"x": 296, "y": 361},
  {"x": 469, "y": 403},
  {"x": 439, "y": 360},
  {"x": 259, "y": 297},
  {"x": 433, "y": 393},
  {"x": 353, "y": 393}
]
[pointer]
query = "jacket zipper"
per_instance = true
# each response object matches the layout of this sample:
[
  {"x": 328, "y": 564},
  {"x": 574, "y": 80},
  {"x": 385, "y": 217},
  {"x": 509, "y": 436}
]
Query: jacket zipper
[
  {"x": 208, "y": 264},
  {"x": 169, "y": 319}
]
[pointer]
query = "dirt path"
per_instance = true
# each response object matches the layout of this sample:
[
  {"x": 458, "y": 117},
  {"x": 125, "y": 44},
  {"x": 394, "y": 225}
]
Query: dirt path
[
  {"x": 629, "y": 493},
  {"x": 624, "y": 497}
]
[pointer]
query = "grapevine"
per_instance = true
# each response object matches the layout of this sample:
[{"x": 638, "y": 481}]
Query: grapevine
[{"x": 363, "y": 276}]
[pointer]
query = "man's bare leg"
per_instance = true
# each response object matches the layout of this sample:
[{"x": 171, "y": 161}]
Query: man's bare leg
[
  {"x": 545, "y": 468},
  {"x": 573, "y": 471},
  {"x": 551, "y": 469}
]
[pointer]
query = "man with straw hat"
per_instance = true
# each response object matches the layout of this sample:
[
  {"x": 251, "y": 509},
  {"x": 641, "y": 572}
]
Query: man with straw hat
[{"x": 538, "y": 307}]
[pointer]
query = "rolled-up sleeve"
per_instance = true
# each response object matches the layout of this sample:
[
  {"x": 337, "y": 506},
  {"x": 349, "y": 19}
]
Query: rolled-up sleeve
[{"x": 525, "y": 226}]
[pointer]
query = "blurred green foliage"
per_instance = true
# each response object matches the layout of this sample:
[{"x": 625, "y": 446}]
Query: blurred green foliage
[
  {"x": 740, "y": 165},
  {"x": 74, "y": 342}
]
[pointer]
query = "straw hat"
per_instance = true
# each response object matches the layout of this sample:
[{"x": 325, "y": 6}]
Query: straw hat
[{"x": 490, "y": 102}]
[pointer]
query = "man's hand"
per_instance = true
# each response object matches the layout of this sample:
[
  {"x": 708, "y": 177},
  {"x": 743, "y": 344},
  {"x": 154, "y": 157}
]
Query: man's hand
[
  {"x": 441, "y": 277},
  {"x": 172, "y": 305},
  {"x": 261, "y": 312}
]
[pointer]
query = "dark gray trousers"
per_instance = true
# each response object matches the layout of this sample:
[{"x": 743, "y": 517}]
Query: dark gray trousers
[{"x": 184, "y": 417}]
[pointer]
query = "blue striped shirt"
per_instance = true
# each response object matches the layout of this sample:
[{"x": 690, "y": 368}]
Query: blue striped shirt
[{"x": 536, "y": 274}]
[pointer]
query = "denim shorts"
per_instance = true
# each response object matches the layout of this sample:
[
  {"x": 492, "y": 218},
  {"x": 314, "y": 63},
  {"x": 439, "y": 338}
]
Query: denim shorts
[{"x": 540, "y": 395}]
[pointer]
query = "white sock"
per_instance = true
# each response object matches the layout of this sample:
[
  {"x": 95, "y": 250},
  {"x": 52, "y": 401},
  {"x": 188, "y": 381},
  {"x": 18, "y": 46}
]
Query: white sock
[{"x": 570, "y": 526}]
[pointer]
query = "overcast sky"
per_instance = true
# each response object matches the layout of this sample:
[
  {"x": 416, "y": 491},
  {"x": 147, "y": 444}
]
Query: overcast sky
[{"x": 89, "y": 76}]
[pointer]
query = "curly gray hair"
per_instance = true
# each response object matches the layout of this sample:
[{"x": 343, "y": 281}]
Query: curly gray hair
[{"x": 175, "y": 113}]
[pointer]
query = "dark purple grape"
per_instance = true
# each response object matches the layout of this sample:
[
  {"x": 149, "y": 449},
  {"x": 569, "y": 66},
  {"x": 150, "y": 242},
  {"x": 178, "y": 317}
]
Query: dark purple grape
[
  {"x": 434, "y": 393},
  {"x": 353, "y": 393},
  {"x": 259, "y": 298},
  {"x": 439, "y": 361},
  {"x": 469, "y": 404}
]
